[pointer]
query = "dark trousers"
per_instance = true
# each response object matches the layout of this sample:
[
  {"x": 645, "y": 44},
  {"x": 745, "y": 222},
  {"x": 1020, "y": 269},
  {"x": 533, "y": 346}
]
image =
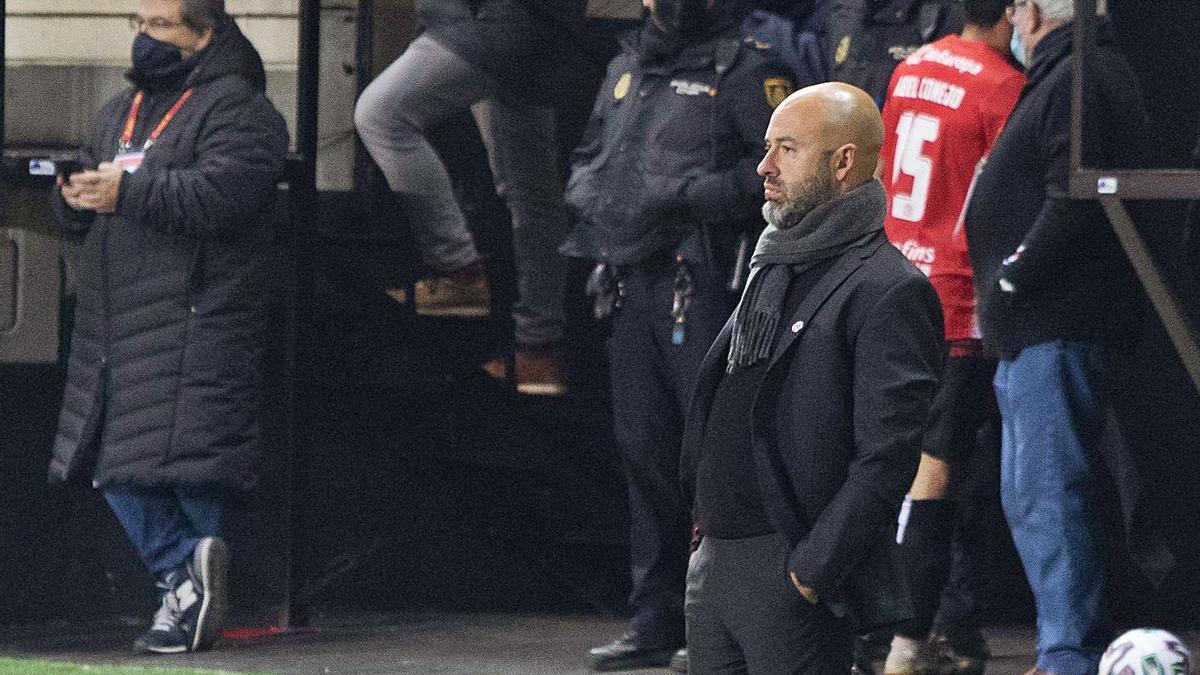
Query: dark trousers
[
  {"x": 652, "y": 381},
  {"x": 164, "y": 524},
  {"x": 978, "y": 495},
  {"x": 964, "y": 430},
  {"x": 745, "y": 616}
]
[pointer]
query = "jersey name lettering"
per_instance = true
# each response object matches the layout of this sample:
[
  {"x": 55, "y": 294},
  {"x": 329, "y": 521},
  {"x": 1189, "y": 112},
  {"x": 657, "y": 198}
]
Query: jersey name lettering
[{"x": 930, "y": 89}]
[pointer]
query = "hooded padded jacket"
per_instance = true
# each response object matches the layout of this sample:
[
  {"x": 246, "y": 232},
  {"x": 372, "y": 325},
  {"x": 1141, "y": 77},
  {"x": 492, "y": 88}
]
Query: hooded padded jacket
[{"x": 166, "y": 355}]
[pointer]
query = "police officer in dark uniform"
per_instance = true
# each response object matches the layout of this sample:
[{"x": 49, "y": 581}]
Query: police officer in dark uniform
[
  {"x": 867, "y": 38},
  {"x": 662, "y": 187}
]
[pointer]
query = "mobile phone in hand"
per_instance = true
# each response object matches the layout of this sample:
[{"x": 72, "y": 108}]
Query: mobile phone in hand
[{"x": 65, "y": 167}]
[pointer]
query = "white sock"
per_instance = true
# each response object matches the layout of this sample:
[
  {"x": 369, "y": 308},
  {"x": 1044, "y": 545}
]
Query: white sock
[{"x": 902, "y": 657}]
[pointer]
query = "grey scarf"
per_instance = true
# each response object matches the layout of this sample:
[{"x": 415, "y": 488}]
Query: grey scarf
[{"x": 824, "y": 233}]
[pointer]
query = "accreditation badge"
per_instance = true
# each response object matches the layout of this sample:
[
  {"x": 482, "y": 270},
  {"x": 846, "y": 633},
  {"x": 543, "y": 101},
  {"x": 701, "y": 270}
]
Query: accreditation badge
[{"x": 129, "y": 162}]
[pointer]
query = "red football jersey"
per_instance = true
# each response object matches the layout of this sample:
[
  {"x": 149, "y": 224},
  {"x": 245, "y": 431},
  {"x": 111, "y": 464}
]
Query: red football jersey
[{"x": 945, "y": 107}]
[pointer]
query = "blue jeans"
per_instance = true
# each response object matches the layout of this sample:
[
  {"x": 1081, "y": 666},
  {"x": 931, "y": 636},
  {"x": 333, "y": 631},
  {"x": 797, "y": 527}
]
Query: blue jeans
[
  {"x": 165, "y": 524},
  {"x": 1052, "y": 413},
  {"x": 427, "y": 84}
]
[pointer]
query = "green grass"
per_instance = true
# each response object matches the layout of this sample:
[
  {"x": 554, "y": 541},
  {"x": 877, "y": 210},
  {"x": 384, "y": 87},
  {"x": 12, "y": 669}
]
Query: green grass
[{"x": 22, "y": 667}]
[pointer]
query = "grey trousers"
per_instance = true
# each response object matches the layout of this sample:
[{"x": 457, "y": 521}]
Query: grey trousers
[
  {"x": 745, "y": 616},
  {"x": 427, "y": 84}
]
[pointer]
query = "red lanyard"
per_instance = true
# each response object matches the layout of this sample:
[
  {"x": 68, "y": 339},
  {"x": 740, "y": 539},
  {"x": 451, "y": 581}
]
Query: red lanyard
[{"x": 131, "y": 121}]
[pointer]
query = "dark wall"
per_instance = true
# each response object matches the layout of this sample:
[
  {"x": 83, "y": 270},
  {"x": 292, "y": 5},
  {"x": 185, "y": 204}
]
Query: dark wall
[
  {"x": 1158, "y": 406},
  {"x": 1159, "y": 38}
]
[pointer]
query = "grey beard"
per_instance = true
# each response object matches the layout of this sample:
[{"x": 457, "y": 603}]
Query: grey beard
[{"x": 786, "y": 215}]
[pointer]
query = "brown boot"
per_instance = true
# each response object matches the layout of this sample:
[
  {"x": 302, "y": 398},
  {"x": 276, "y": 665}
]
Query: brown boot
[
  {"x": 462, "y": 293},
  {"x": 540, "y": 370}
]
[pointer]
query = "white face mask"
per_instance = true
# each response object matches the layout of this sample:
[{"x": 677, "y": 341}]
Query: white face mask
[{"x": 1017, "y": 45}]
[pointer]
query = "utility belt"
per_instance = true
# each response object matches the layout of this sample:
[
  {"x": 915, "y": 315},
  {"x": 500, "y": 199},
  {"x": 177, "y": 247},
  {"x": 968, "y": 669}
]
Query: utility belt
[{"x": 606, "y": 284}]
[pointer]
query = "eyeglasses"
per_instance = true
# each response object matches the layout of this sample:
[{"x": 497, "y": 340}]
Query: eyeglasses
[{"x": 139, "y": 24}]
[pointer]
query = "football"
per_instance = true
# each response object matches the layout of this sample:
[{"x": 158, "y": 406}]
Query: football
[{"x": 1146, "y": 651}]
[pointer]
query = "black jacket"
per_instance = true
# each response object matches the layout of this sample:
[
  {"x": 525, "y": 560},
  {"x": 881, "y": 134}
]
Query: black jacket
[
  {"x": 538, "y": 50},
  {"x": 163, "y": 376},
  {"x": 671, "y": 146},
  {"x": 1073, "y": 281},
  {"x": 436, "y": 14},
  {"x": 837, "y": 425},
  {"x": 866, "y": 39},
  {"x": 798, "y": 39}
]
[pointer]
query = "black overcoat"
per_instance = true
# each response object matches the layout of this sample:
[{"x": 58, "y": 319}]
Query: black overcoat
[
  {"x": 837, "y": 424},
  {"x": 167, "y": 350}
]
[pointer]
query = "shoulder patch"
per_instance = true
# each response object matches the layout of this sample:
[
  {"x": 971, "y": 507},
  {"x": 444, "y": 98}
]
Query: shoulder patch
[
  {"x": 843, "y": 50},
  {"x": 622, "y": 87},
  {"x": 776, "y": 89}
]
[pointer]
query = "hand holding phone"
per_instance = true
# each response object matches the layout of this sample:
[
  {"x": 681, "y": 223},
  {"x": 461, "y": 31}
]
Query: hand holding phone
[{"x": 63, "y": 168}]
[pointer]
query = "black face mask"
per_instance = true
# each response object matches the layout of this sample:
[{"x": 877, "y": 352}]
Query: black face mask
[
  {"x": 154, "y": 56},
  {"x": 158, "y": 64},
  {"x": 683, "y": 17},
  {"x": 678, "y": 23}
]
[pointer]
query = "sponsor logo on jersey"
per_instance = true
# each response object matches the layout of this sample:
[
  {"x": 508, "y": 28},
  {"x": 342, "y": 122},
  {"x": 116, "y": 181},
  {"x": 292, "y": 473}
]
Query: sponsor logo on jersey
[
  {"x": 921, "y": 256},
  {"x": 946, "y": 58}
]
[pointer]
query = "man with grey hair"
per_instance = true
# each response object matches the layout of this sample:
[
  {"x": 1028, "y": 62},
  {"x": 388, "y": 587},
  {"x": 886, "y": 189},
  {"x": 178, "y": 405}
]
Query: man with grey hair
[
  {"x": 163, "y": 402},
  {"x": 806, "y": 423},
  {"x": 1058, "y": 303},
  {"x": 202, "y": 15}
]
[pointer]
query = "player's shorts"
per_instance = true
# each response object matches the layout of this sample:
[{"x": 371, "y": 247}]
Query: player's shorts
[{"x": 963, "y": 403}]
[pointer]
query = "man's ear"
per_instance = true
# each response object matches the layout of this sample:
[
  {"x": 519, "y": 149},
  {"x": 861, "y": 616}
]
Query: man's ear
[{"x": 843, "y": 161}]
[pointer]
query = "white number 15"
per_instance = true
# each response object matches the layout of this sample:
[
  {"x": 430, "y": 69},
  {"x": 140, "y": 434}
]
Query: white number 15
[{"x": 912, "y": 133}]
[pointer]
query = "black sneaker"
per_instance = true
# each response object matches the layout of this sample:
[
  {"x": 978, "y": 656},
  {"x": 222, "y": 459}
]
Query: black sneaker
[
  {"x": 165, "y": 635},
  {"x": 202, "y": 593}
]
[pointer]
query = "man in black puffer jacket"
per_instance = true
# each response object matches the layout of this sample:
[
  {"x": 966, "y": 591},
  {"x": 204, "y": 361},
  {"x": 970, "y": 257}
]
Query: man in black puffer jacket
[
  {"x": 662, "y": 183},
  {"x": 1059, "y": 305},
  {"x": 162, "y": 403}
]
